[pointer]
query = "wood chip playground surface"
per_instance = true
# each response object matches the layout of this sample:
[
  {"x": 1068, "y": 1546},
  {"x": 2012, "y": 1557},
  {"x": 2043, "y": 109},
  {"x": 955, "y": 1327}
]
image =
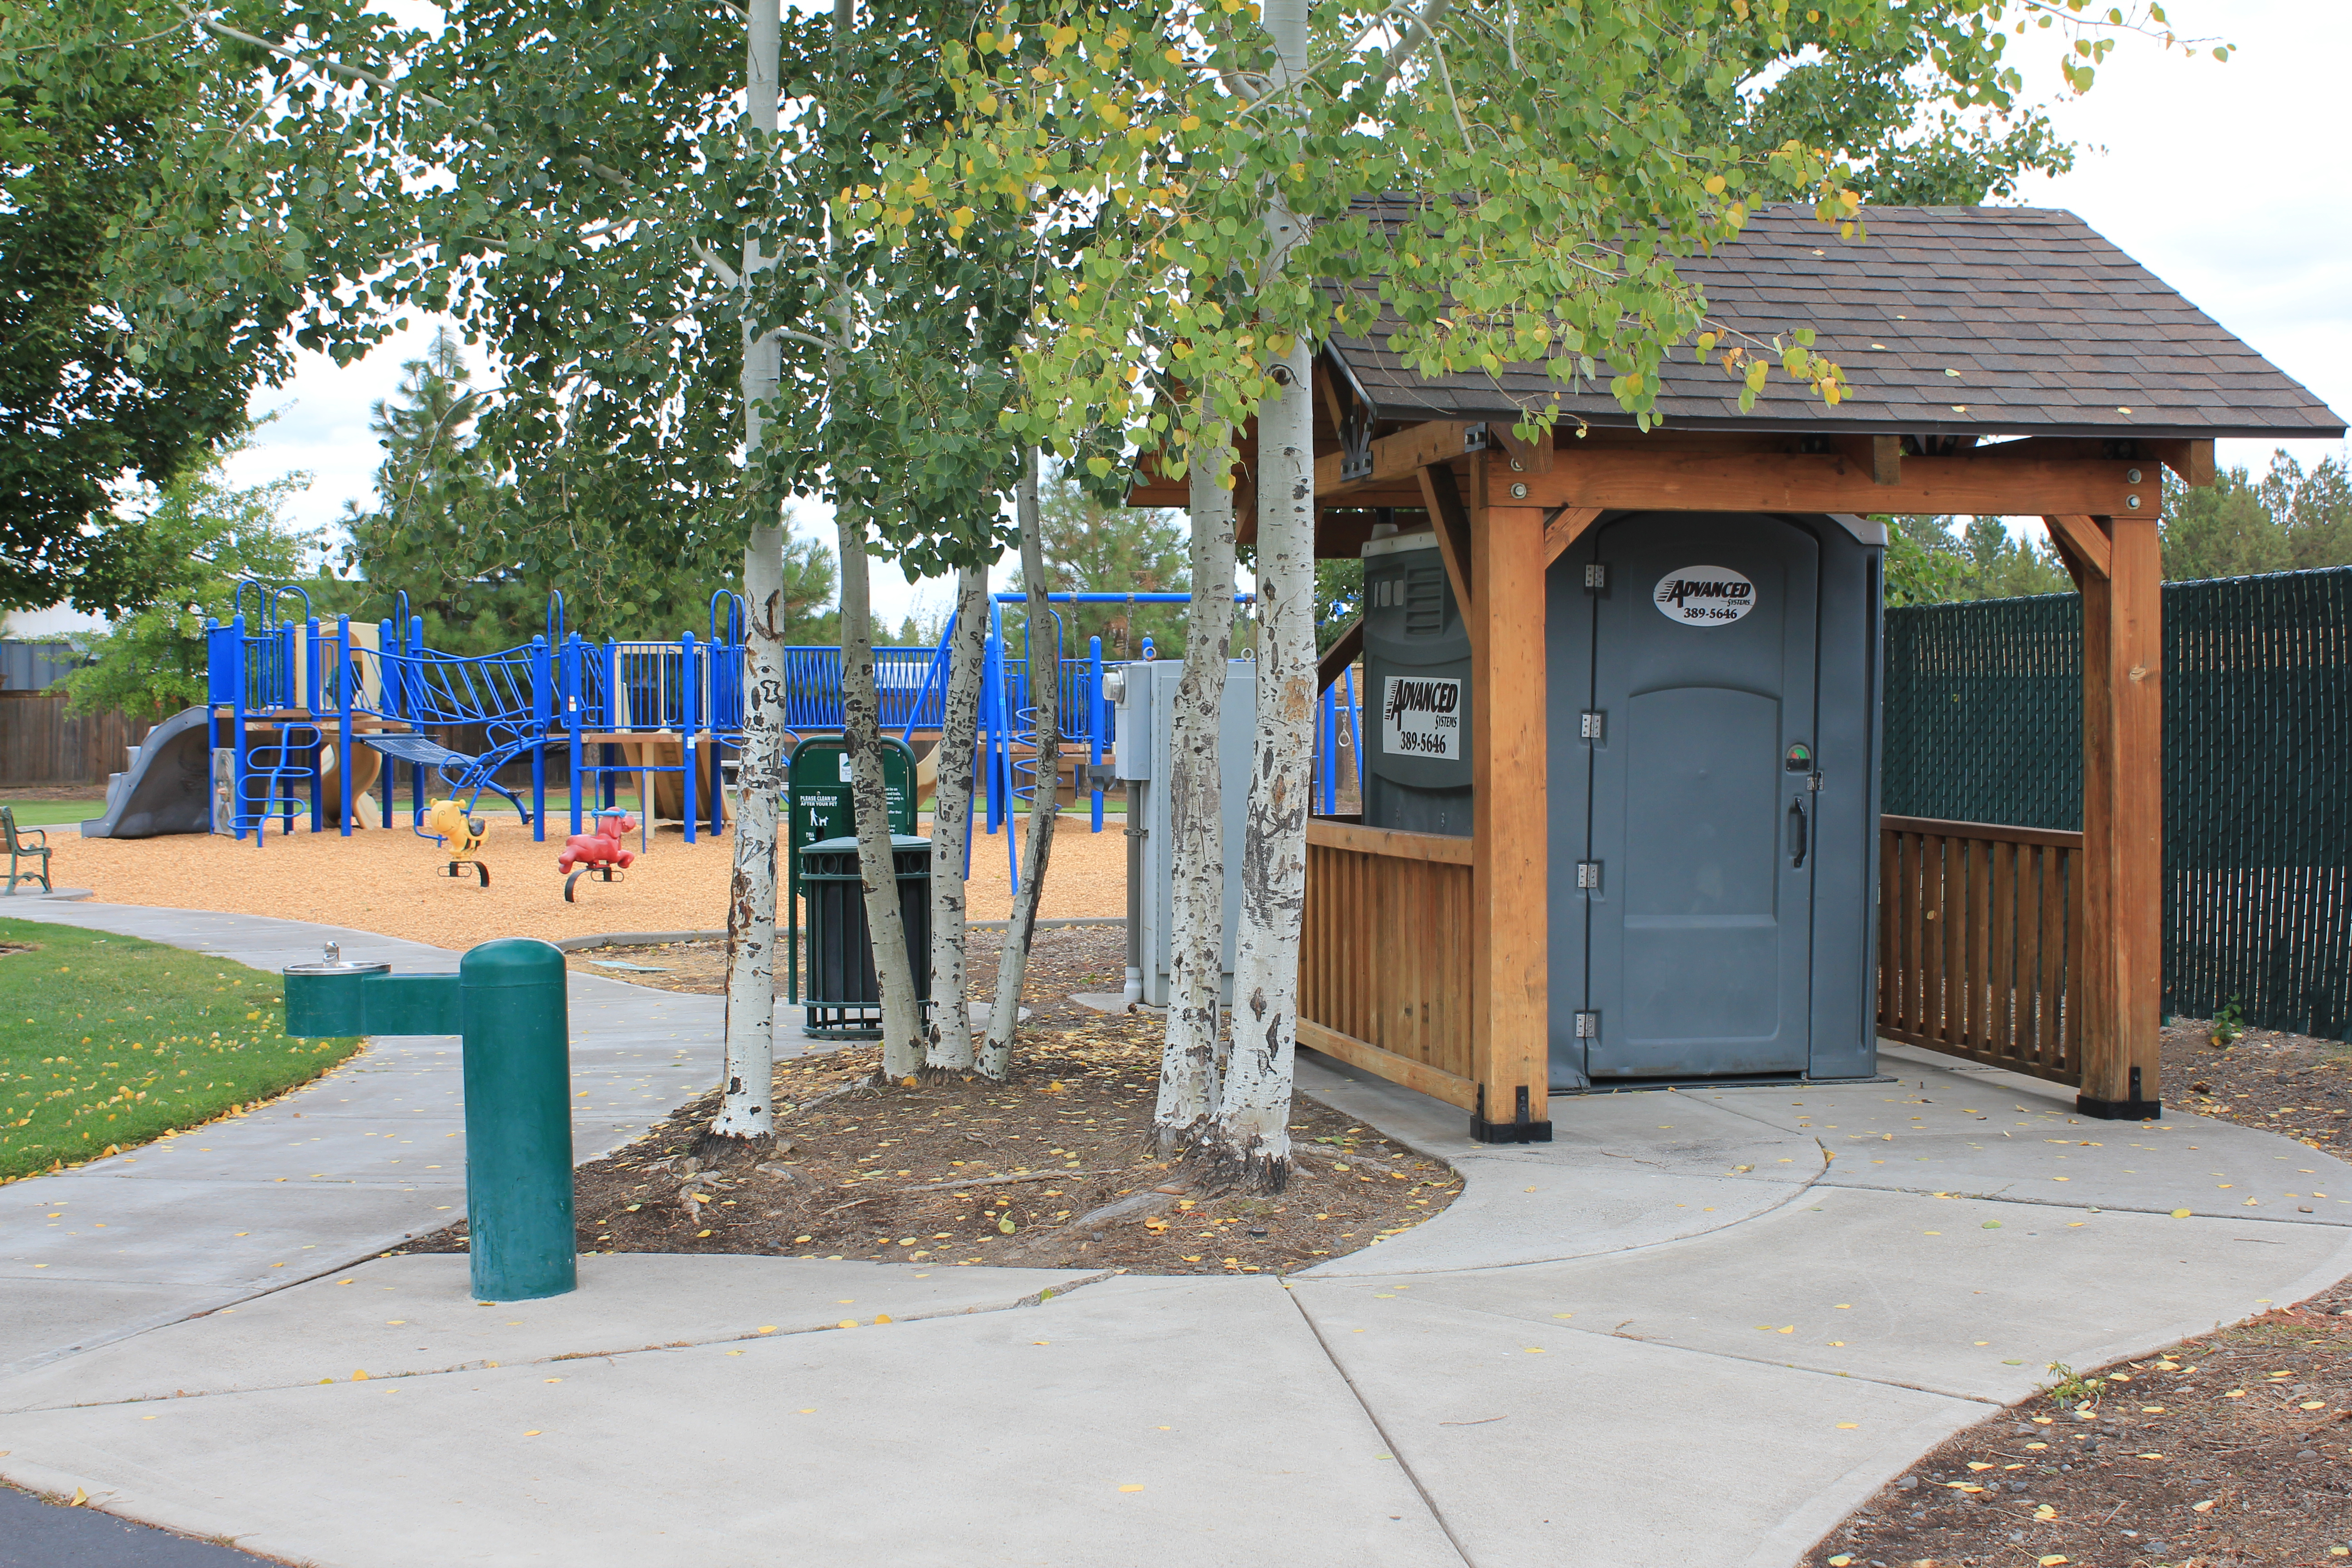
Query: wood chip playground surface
[{"x": 391, "y": 881}]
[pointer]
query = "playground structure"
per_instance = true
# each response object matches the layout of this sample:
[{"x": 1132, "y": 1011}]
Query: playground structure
[
  {"x": 603, "y": 854},
  {"x": 302, "y": 714}
]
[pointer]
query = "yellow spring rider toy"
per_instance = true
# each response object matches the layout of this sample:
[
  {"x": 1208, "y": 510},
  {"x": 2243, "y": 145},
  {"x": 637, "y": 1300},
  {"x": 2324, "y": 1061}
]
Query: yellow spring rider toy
[{"x": 461, "y": 834}]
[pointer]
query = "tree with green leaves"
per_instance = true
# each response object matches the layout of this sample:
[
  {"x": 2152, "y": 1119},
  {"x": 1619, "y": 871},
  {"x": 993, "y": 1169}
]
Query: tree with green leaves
[
  {"x": 173, "y": 216},
  {"x": 1939, "y": 559},
  {"x": 1503, "y": 184},
  {"x": 198, "y": 540},
  {"x": 477, "y": 560},
  {"x": 1094, "y": 546},
  {"x": 2289, "y": 520}
]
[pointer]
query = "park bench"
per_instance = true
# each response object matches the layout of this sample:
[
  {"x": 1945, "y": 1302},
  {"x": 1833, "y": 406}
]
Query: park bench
[{"x": 32, "y": 847}]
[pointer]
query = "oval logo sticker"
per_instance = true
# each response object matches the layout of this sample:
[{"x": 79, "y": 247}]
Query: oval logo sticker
[{"x": 1705, "y": 596}]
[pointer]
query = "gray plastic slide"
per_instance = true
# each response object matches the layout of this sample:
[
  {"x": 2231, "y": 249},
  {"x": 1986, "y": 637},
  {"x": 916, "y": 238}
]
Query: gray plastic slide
[{"x": 168, "y": 787}]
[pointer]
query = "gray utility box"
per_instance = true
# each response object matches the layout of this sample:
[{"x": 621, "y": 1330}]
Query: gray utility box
[
  {"x": 1417, "y": 695},
  {"x": 1712, "y": 682},
  {"x": 1146, "y": 709}
]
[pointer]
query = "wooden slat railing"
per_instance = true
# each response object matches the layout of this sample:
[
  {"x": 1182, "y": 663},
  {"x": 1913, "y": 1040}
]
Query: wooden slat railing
[
  {"x": 1384, "y": 968},
  {"x": 1980, "y": 934}
]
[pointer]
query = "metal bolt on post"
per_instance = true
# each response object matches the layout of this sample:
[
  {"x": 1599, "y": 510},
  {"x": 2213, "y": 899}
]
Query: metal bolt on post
[{"x": 507, "y": 1002}]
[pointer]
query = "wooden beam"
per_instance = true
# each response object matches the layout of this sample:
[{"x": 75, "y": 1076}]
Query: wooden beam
[
  {"x": 1510, "y": 952},
  {"x": 1443, "y": 848},
  {"x": 1522, "y": 456},
  {"x": 1691, "y": 479},
  {"x": 1880, "y": 456},
  {"x": 1443, "y": 497},
  {"x": 1396, "y": 458},
  {"x": 2082, "y": 536},
  {"x": 2192, "y": 460},
  {"x": 2120, "y": 985},
  {"x": 1566, "y": 527},
  {"x": 1339, "y": 655},
  {"x": 1434, "y": 1081}
]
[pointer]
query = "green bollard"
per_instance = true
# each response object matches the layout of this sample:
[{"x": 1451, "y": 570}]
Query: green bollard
[
  {"x": 506, "y": 1000},
  {"x": 518, "y": 1043}
]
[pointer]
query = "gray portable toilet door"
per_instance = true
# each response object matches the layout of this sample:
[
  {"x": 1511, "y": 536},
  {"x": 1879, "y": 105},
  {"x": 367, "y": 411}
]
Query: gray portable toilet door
[{"x": 1698, "y": 936}]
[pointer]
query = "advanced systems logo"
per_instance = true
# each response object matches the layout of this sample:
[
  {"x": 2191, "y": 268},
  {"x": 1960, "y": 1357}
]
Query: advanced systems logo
[{"x": 1704, "y": 595}]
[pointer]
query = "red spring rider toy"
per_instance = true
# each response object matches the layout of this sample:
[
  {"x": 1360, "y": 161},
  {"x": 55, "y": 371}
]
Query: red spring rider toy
[{"x": 602, "y": 854}]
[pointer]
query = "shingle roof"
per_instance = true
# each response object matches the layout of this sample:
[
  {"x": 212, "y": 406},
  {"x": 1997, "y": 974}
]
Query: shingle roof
[{"x": 2052, "y": 332}]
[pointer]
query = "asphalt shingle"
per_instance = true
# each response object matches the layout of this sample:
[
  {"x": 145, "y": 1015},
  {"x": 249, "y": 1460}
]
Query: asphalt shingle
[{"x": 2055, "y": 331}]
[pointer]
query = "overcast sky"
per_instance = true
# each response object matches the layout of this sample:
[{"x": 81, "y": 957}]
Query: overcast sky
[{"x": 2200, "y": 171}]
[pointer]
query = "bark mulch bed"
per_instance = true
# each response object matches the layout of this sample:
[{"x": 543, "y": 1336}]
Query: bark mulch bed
[
  {"x": 2229, "y": 1450},
  {"x": 2291, "y": 1084},
  {"x": 1046, "y": 1170}
]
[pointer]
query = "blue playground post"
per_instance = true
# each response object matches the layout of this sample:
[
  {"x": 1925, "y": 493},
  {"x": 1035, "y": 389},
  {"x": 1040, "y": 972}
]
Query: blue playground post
[
  {"x": 240, "y": 696},
  {"x": 686, "y": 715},
  {"x": 1327, "y": 735},
  {"x": 1355, "y": 730},
  {"x": 345, "y": 678},
  {"x": 1095, "y": 722},
  {"x": 542, "y": 705},
  {"x": 571, "y": 720}
]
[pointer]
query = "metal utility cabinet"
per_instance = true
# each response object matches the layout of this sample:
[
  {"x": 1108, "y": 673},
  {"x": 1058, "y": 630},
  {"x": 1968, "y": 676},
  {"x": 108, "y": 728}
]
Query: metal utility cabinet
[{"x": 1146, "y": 708}]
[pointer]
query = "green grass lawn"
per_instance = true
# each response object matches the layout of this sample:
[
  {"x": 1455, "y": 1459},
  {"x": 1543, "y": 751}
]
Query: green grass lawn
[
  {"x": 54, "y": 813},
  {"x": 106, "y": 1041}
]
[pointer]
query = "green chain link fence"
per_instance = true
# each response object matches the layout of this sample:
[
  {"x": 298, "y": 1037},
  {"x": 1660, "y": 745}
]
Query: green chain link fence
[{"x": 1984, "y": 723}]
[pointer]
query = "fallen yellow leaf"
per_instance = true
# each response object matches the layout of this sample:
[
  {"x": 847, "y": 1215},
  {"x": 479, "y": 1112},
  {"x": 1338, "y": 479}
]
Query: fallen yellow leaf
[
  {"x": 1132, "y": 1487},
  {"x": 80, "y": 1498},
  {"x": 2205, "y": 1507}
]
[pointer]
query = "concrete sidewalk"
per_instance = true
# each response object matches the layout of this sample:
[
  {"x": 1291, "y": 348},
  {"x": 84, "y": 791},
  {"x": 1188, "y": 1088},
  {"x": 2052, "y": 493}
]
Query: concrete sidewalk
[
  {"x": 203, "y": 1219},
  {"x": 1696, "y": 1330}
]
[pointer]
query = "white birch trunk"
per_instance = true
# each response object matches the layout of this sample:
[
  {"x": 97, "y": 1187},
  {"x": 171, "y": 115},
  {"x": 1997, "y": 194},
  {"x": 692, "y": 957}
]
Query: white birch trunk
[
  {"x": 745, "y": 1110},
  {"x": 1189, "y": 1060},
  {"x": 1044, "y": 801},
  {"x": 959, "y": 763},
  {"x": 1250, "y": 1142},
  {"x": 861, "y": 722}
]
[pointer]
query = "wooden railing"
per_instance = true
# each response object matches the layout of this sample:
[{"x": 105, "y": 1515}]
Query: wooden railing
[
  {"x": 1980, "y": 936},
  {"x": 1384, "y": 968}
]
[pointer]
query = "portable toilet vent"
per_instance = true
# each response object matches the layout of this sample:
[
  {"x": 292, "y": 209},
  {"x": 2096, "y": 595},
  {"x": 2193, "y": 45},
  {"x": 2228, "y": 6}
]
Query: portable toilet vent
[{"x": 1416, "y": 689}]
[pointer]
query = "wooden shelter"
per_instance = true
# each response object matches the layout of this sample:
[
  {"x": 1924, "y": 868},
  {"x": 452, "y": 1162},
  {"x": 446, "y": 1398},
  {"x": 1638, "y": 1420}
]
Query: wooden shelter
[{"x": 2004, "y": 361}]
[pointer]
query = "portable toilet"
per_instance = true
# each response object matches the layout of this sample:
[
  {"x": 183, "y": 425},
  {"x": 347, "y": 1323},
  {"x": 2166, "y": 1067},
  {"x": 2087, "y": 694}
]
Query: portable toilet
[{"x": 1714, "y": 735}]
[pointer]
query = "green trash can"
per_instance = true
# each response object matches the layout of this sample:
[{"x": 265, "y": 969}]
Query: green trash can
[{"x": 844, "y": 998}]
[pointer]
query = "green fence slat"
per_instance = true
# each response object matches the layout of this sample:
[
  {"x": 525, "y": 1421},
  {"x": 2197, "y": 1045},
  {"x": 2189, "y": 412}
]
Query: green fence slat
[{"x": 1984, "y": 723}]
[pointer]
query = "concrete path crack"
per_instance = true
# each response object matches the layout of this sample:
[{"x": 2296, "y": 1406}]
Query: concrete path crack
[{"x": 1396, "y": 1450}]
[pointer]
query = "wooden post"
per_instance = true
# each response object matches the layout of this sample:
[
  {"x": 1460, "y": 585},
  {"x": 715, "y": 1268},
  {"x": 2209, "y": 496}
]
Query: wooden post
[
  {"x": 2120, "y": 988},
  {"x": 1510, "y": 1021}
]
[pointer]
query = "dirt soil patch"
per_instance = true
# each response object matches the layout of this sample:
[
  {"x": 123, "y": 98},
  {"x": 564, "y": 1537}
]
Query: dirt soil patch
[
  {"x": 2228, "y": 1450},
  {"x": 1047, "y": 1171},
  {"x": 2280, "y": 1082}
]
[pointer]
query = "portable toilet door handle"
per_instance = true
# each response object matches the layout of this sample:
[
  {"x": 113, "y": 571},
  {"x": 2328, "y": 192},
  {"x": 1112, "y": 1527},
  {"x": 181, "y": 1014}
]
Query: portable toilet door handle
[{"x": 1797, "y": 832}]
